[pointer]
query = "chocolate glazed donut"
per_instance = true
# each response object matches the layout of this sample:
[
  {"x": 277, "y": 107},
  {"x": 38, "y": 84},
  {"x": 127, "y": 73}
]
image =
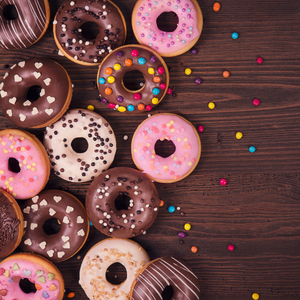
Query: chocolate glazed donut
[
  {"x": 29, "y": 26},
  {"x": 75, "y": 43},
  {"x": 163, "y": 272},
  {"x": 122, "y": 202}
]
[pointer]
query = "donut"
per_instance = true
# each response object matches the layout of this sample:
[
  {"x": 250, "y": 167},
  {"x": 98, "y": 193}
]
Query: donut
[
  {"x": 70, "y": 213},
  {"x": 172, "y": 128},
  {"x": 76, "y": 40},
  {"x": 92, "y": 275},
  {"x": 29, "y": 25},
  {"x": 128, "y": 58},
  {"x": 95, "y": 131},
  {"x": 11, "y": 224},
  {"x": 49, "y": 283},
  {"x": 163, "y": 272},
  {"x": 167, "y": 44},
  {"x": 53, "y": 97},
  {"x": 24, "y": 164},
  {"x": 122, "y": 219}
]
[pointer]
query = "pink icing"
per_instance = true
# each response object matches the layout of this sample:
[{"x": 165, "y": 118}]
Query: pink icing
[
  {"x": 149, "y": 34},
  {"x": 27, "y": 269},
  {"x": 175, "y": 129},
  {"x": 32, "y": 176}
]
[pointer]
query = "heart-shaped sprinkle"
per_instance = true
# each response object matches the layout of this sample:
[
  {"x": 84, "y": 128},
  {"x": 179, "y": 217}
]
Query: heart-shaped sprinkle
[
  {"x": 60, "y": 254},
  {"x": 12, "y": 100},
  {"x": 42, "y": 279},
  {"x": 51, "y": 276},
  {"x": 21, "y": 64},
  {"x": 35, "y": 111},
  {"x": 66, "y": 220},
  {"x": 27, "y": 272},
  {"x": 45, "y": 295},
  {"x": 43, "y": 203},
  {"x": 16, "y": 278},
  {"x": 18, "y": 78},
  {"x": 52, "y": 212},
  {"x": 27, "y": 103},
  {"x": 38, "y": 65},
  {"x": 69, "y": 209},
  {"x": 15, "y": 267},
  {"x": 50, "y": 99},
  {"x": 49, "y": 111},
  {"x": 6, "y": 273},
  {"x": 37, "y": 75},
  {"x": 60, "y": 53},
  {"x": 79, "y": 220},
  {"x": 28, "y": 242},
  {"x": 39, "y": 273},
  {"x": 66, "y": 245},
  {"x": 47, "y": 81},
  {"x": 33, "y": 226},
  {"x": 80, "y": 232},
  {"x": 52, "y": 287},
  {"x": 22, "y": 117},
  {"x": 42, "y": 245},
  {"x": 38, "y": 287},
  {"x": 9, "y": 112},
  {"x": 42, "y": 93},
  {"x": 3, "y": 292},
  {"x": 35, "y": 199},
  {"x": 65, "y": 238},
  {"x": 50, "y": 253},
  {"x": 26, "y": 210},
  {"x": 3, "y": 93},
  {"x": 35, "y": 207},
  {"x": 57, "y": 198}
]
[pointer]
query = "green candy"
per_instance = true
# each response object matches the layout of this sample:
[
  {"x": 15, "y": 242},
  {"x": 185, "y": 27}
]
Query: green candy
[
  {"x": 39, "y": 273},
  {"x": 51, "y": 276},
  {"x": 42, "y": 279},
  {"x": 15, "y": 267}
]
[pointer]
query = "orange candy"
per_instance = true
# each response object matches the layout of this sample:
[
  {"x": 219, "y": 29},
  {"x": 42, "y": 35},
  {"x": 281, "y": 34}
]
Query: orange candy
[
  {"x": 161, "y": 203},
  {"x": 156, "y": 79},
  {"x": 71, "y": 295},
  {"x": 108, "y": 71},
  {"x": 141, "y": 106},
  {"x": 128, "y": 62},
  {"x": 108, "y": 91},
  {"x": 216, "y": 6},
  {"x": 226, "y": 74},
  {"x": 194, "y": 249},
  {"x": 38, "y": 287}
]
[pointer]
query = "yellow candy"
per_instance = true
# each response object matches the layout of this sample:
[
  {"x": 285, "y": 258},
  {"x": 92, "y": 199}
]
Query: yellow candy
[
  {"x": 117, "y": 67},
  {"x": 187, "y": 226},
  {"x": 255, "y": 296},
  {"x": 188, "y": 71},
  {"x": 154, "y": 100},
  {"x": 238, "y": 135},
  {"x": 151, "y": 71},
  {"x": 211, "y": 105},
  {"x": 111, "y": 79},
  {"x": 90, "y": 107},
  {"x": 121, "y": 108}
]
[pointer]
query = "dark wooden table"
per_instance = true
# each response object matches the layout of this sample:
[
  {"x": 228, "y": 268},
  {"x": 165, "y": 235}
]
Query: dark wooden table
[{"x": 258, "y": 211}]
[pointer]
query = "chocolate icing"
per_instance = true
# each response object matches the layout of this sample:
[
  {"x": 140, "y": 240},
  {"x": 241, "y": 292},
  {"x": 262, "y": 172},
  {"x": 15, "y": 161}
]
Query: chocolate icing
[
  {"x": 141, "y": 212},
  {"x": 119, "y": 56},
  {"x": 56, "y": 90},
  {"x": 73, "y": 14},
  {"x": 73, "y": 231},
  {"x": 31, "y": 23},
  {"x": 9, "y": 226},
  {"x": 163, "y": 272}
]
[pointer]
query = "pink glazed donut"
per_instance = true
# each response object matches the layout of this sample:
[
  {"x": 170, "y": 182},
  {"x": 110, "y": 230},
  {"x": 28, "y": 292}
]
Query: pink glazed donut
[
  {"x": 168, "y": 44},
  {"x": 169, "y": 127}
]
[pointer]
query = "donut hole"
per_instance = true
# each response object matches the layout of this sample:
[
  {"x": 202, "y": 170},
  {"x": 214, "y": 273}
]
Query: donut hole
[
  {"x": 27, "y": 286},
  {"x": 122, "y": 202},
  {"x": 116, "y": 273},
  {"x": 164, "y": 148},
  {"x": 10, "y": 12},
  {"x": 51, "y": 226},
  {"x": 33, "y": 93},
  {"x": 13, "y": 165},
  {"x": 90, "y": 30},
  {"x": 167, "y": 21},
  {"x": 167, "y": 293},
  {"x": 79, "y": 145},
  {"x": 133, "y": 81}
]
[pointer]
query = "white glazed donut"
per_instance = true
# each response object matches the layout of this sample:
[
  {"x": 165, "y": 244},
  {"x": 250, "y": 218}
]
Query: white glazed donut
[
  {"x": 99, "y": 258},
  {"x": 71, "y": 165}
]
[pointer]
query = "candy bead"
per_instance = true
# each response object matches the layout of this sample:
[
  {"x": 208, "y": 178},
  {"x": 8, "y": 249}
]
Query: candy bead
[
  {"x": 238, "y": 135},
  {"x": 108, "y": 71},
  {"x": 104, "y": 100},
  {"x": 223, "y": 181},
  {"x": 169, "y": 91},
  {"x": 155, "y": 91},
  {"x": 211, "y": 105},
  {"x": 130, "y": 107},
  {"x": 137, "y": 96},
  {"x": 226, "y": 74},
  {"x": 194, "y": 51},
  {"x": 117, "y": 67},
  {"x": 216, "y": 6},
  {"x": 148, "y": 107},
  {"x": 154, "y": 100},
  {"x": 119, "y": 54},
  {"x": 71, "y": 295},
  {"x": 162, "y": 86},
  {"x": 259, "y": 60},
  {"x": 120, "y": 99},
  {"x": 187, "y": 226},
  {"x": 161, "y": 70},
  {"x": 256, "y": 102},
  {"x": 200, "y": 128},
  {"x": 255, "y": 296},
  {"x": 235, "y": 35},
  {"x": 198, "y": 80},
  {"x": 156, "y": 79},
  {"x": 111, "y": 79},
  {"x": 111, "y": 105},
  {"x": 153, "y": 59},
  {"x": 171, "y": 209},
  {"x": 108, "y": 91},
  {"x": 141, "y": 61},
  {"x": 128, "y": 62},
  {"x": 121, "y": 108},
  {"x": 194, "y": 249},
  {"x": 91, "y": 107},
  {"x": 252, "y": 149},
  {"x": 134, "y": 53},
  {"x": 188, "y": 71},
  {"x": 151, "y": 71},
  {"x": 230, "y": 247},
  {"x": 141, "y": 106},
  {"x": 181, "y": 235},
  {"x": 162, "y": 203},
  {"x": 101, "y": 80}
]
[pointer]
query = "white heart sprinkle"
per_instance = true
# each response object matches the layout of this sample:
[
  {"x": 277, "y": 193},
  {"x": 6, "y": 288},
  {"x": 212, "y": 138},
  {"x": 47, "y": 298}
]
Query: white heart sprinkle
[
  {"x": 26, "y": 210},
  {"x": 35, "y": 207},
  {"x": 21, "y": 64},
  {"x": 28, "y": 242},
  {"x": 9, "y": 112},
  {"x": 12, "y": 100},
  {"x": 57, "y": 198},
  {"x": 60, "y": 254},
  {"x": 47, "y": 81},
  {"x": 43, "y": 203},
  {"x": 35, "y": 199},
  {"x": 38, "y": 65},
  {"x": 27, "y": 103},
  {"x": 35, "y": 111},
  {"x": 42, "y": 93},
  {"x": 52, "y": 212},
  {"x": 25, "y": 224},
  {"x": 50, "y": 253},
  {"x": 50, "y": 99},
  {"x": 60, "y": 53},
  {"x": 80, "y": 232},
  {"x": 18, "y": 78},
  {"x": 22, "y": 117},
  {"x": 3, "y": 94},
  {"x": 79, "y": 219},
  {"x": 65, "y": 238},
  {"x": 49, "y": 111},
  {"x": 33, "y": 226},
  {"x": 37, "y": 74},
  {"x": 1, "y": 85},
  {"x": 66, "y": 220},
  {"x": 42, "y": 245},
  {"x": 66, "y": 245},
  {"x": 69, "y": 209}
]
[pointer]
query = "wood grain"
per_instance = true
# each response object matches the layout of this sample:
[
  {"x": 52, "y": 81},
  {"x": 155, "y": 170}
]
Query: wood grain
[{"x": 259, "y": 209}]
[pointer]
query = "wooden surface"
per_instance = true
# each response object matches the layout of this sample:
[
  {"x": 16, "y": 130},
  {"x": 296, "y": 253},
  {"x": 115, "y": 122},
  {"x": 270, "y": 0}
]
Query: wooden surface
[{"x": 259, "y": 209}]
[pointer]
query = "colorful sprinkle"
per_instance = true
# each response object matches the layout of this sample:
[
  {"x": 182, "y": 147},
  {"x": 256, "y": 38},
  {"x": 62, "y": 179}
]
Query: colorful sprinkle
[
  {"x": 200, "y": 128},
  {"x": 71, "y": 295},
  {"x": 148, "y": 107},
  {"x": 256, "y": 102},
  {"x": 155, "y": 91},
  {"x": 15, "y": 267},
  {"x": 89, "y": 107},
  {"x": 259, "y": 60},
  {"x": 226, "y": 74},
  {"x": 194, "y": 51},
  {"x": 117, "y": 67},
  {"x": 252, "y": 149},
  {"x": 216, "y": 6},
  {"x": 137, "y": 96},
  {"x": 211, "y": 105},
  {"x": 120, "y": 99},
  {"x": 181, "y": 235},
  {"x": 187, "y": 226},
  {"x": 169, "y": 91},
  {"x": 155, "y": 100},
  {"x": 119, "y": 54},
  {"x": 162, "y": 203},
  {"x": 121, "y": 109},
  {"x": 161, "y": 70},
  {"x": 255, "y": 296},
  {"x": 230, "y": 247},
  {"x": 171, "y": 209},
  {"x": 134, "y": 53},
  {"x": 188, "y": 71},
  {"x": 223, "y": 181},
  {"x": 128, "y": 62},
  {"x": 108, "y": 71},
  {"x": 108, "y": 91},
  {"x": 151, "y": 71},
  {"x": 45, "y": 295},
  {"x": 111, "y": 79},
  {"x": 198, "y": 80},
  {"x": 130, "y": 107},
  {"x": 235, "y": 35},
  {"x": 238, "y": 135},
  {"x": 141, "y": 60},
  {"x": 194, "y": 249},
  {"x": 101, "y": 80}
]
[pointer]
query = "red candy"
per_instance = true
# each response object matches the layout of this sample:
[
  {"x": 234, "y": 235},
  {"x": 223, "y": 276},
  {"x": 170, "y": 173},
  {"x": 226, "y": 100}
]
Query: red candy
[
  {"x": 148, "y": 107},
  {"x": 259, "y": 60},
  {"x": 169, "y": 91},
  {"x": 223, "y": 181},
  {"x": 161, "y": 70},
  {"x": 200, "y": 128},
  {"x": 256, "y": 102},
  {"x": 134, "y": 53},
  {"x": 111, "y": 105},
  {"x": 230, "y": 247},
  {"x": 163, "y": 86},
  {"x": 137, "y": 96}
]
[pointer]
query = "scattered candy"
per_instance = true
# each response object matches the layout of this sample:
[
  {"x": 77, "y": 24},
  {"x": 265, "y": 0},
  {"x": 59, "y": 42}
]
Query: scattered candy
[
  {"x": 181, "y": 235},
  {"x": 171, "y": 209},
  {"x": 226, "y": 74},
  {"x": 255, "y": 296},
  {"x": 188, "y": 71},
  {"x": 252, "y": 149},
  {"x": 238, "y": 135},
  {"x": 194, "y": 249},
  {"x": 125, "y": 137},
  {"x": 211, "y": 105},
  {"x": 256, "y": 102},
  {"x": 259, "y": 60},
  {"x": 198, "y": 80},
  {"x": 187, "y": 226},
  {"x": 216, "y": 6},
  {"x": 200, "y": 128},
  {"x": 235, "y": 35},
  {"x": 178, "y": 208},
  {"x": 223, "y": 181},
  {"x": 230, "y": 247},
  {"x": 169, "y": 91},
  {"x": 91, "y": 107},
  {"x": 71, "y": 295},
  {"x": 194, "y": 51},
  {"x": 91, "y": 224},
  {"x": 162, "y": 203}
]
